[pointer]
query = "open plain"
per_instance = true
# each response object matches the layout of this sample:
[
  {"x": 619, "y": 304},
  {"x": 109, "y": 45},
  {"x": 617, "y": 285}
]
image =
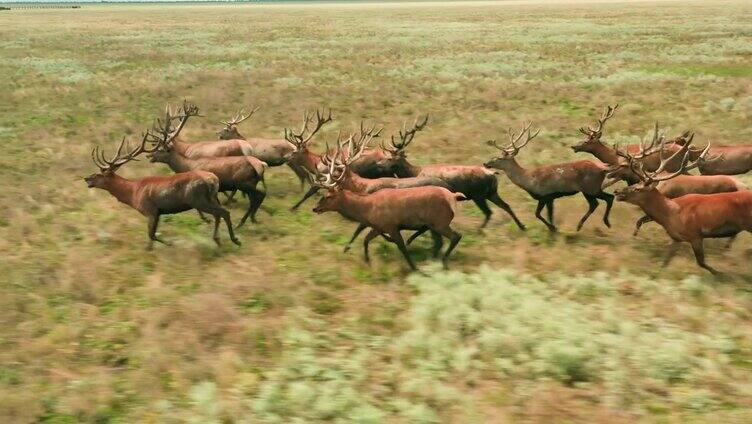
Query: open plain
[{"x": 525, "y": 327}]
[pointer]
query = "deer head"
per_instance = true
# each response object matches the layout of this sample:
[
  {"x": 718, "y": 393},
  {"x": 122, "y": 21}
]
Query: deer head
[
  {"x": 230, "y": 130},
  {"x": 509, "y": 151},
  {"x": 593, "y": 135},
  {"x": 648, "y": 180},
  {"x": 396, "y": 156},
  {"x": 108, "y": 167},
  {"x": 331, "y": 178},
  {"x": 301, "y": 138},
  {"x": 165, "y": 131}
]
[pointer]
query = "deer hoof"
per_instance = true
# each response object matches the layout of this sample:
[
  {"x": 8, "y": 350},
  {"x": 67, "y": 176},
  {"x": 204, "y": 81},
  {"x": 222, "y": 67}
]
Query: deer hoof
[{"x": 236, "y": 241}]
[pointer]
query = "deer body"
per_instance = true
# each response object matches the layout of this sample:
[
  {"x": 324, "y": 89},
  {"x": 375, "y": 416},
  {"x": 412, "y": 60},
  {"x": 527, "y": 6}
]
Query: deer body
[
  {"x": 233, "y": 172},
  {"x": 388, "y": 211},
  {"x": 273, "y": 152},
  {"x": 694, "y": 217},
  {"x": 732, "y": 160},
  {"x": 160, "y": 195},
  {"x": 547, "y": 183}
]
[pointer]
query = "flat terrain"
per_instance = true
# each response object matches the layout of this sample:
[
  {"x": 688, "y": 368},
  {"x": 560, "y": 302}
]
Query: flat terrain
[{"x": 527, "y": 327}]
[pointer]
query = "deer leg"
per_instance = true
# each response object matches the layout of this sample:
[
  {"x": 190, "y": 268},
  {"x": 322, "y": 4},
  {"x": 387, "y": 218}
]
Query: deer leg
[
  {"x": 672, "y": 249},
  {"x": 370, "y": 236},
  {"x": 355, "y": 235},
  {"x": 416, "y": 235},
  {"x": 481, "y": 203},
  {"x": 609, "y": 199},
  {"x": 438, "y": 243},
  {"x": 256, "y": 201},
  {"x": 215, "y": 208},
  {"x": 397, "y": 237},
  {"x": 311, "y": 191},
  {"x": 454, "y": 238},
  {"x": 550, "y": 212},
  {"x": 538, "y": 209},
  {"x": 699, "y": 251},
  {"x": 592, "y": 205},
  {"x": 203, "y": 218},
  {"x": 640, "y": 222},
  {"x": 498, "y": 201},
  {"x": 153, "y": 223},
  {"x": 230, "y": 196}
]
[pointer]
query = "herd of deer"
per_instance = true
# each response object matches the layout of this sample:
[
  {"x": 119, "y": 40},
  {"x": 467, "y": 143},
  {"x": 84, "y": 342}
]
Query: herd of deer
[{"x": 382, "y": 191}]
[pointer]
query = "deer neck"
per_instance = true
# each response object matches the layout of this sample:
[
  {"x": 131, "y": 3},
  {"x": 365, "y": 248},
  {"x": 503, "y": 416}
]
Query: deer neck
[
  {"x": 309, "y": 160},
  {"x": 605, "y": 154},
  {"x": 519, "y": 175},
  {"x": 178, "y": 162},
  {"x": 661, "y": 209},
  {"x": 122, "y": 189},
  {"x": 355, "y": 182},
  {"x": 410, "y": 170},
  {"x": 355, "y": 207}
]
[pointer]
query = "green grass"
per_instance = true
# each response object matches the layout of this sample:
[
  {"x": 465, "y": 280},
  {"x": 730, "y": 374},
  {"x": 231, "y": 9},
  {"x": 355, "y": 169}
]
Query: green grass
[{"x": 528, "y": 327}]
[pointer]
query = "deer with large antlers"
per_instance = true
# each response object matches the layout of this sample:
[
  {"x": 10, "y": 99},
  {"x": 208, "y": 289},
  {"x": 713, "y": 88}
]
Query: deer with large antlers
[
  {"x": 242, "y": 173},
  {"x": 366, "y": 165},
  {"x": 159, "y": 195},
  {"x": 607, "y": 154},
  {"x": 677, "y": 186},
  {"x": 477, "y": 183},
  {"x": 548, "y": 183},
  {"x": 273, "y": 152},
  {"x": 690, "y": 218},
  {"x": 347, "y": 153},
  {"x": 389, "y": 211}
]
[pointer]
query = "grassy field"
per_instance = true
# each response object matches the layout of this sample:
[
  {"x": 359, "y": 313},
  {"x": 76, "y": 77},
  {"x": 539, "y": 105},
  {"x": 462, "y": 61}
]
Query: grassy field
[{"x": 527, "y": 327}]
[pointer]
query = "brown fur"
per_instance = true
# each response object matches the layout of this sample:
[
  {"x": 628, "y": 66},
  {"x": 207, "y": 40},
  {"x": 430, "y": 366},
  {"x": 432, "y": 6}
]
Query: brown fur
[
  {"x": 388, "y": 211},
  {"x": 160, "y": 195},
  {"x": 693, "y": 217},
  {"x": 234, "y": 172}
]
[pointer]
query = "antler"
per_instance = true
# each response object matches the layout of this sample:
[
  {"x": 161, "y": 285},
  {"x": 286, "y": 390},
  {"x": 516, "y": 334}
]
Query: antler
[
  {"x": 240, "y": 117},
  {"x": 512, "y": 148},
  {"x": 356, "y": 147},
  {"x": 648, "y": 177},
  {"x": 334, "y": 166},
  {"x": 300, "y": 139},
  {"x": 119, "y": 159},
  {"x": 605, "y": 116},
  {"x": 165, "y": 129},
  {"x": 405, "y": 135}
]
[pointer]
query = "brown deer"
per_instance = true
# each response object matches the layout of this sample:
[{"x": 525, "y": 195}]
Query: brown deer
[
  {"x": 675, "y": 187},
  {"x": 272, "y": 152},
  {"x": 388, "y": 211},
  {"x": 241, "y": 173},
  {"x": 693, "y": 217},
  {"x": 347, "y": 153},
  {"x": 159, "y": 195},
  {"x": 548, "y": 183},
  {"x": 366, "y": 165},
  {"x": 608, "y": 155},
  {"x": 477, "y": 183}
]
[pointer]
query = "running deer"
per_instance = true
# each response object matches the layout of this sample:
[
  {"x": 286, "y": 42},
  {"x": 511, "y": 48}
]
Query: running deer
[
  {"x": 159, "y": 195},
  {"x": 347, "y": 153},
  {"x": 241, "y": 173},
  {"x": 389, "y": 211},
  {"x": 273, "y": 152},
  {"x": 676, "y": 187},
  {"x": 477, "y": 183},
  {"x": 366, "y": 165},
  {"x": 608, "y": 155},
  {"x": 547, "y": 183},
  {"x": 690, "y": 218}
]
